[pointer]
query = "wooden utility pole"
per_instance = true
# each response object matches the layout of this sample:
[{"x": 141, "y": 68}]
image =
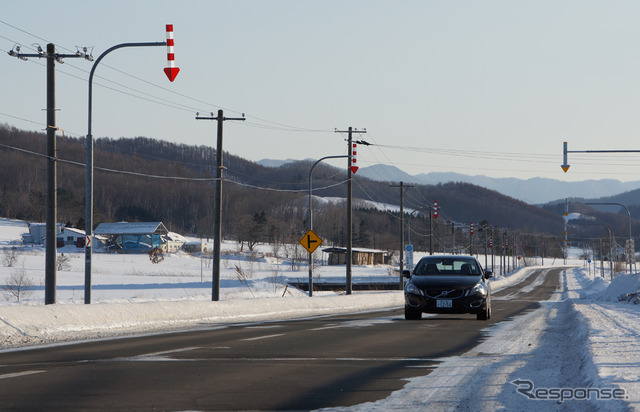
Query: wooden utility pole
[
  {"x": 401, "y": 185},
  {"x": 217, "y": 224},
  {"x": 52, "y": 157},
  {"x": 351, "y": 169}
]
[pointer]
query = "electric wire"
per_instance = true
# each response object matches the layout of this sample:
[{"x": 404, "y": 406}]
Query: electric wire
[
  {"x": 195, "y": 179},
  {"x": 271, "y": 125}
]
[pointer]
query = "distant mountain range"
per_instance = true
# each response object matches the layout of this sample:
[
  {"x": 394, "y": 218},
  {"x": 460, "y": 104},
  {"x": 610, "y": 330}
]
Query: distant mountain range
[{"x": 536, "y": 190}]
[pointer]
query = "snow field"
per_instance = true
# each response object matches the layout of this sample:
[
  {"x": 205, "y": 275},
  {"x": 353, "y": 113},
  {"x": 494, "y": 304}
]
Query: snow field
[{"x": 584, "y": 337}]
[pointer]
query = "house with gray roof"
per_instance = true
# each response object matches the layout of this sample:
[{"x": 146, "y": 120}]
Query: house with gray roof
[{"x": 137, "y": 237}]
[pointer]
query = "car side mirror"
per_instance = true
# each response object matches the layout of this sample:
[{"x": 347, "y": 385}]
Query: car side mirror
[
  {"x": 406, "y": 274},
  {"x": 488, "y": 274}
]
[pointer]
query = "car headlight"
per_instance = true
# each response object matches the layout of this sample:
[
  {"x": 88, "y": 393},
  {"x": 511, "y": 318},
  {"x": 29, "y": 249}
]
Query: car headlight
[
  {"x": 411, "y": 288},
  {"x": 479, "y": 289}
]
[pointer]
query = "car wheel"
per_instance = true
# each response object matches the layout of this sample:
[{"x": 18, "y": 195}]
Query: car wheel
[
  {"x": 485, "y": 314},
  {"x": 412, "y": 314}
]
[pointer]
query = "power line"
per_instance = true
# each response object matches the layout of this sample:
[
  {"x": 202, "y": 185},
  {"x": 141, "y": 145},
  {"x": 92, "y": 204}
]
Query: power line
[
  {"x": 105, "y": 169},
  {"x": 271, "y": 125}
]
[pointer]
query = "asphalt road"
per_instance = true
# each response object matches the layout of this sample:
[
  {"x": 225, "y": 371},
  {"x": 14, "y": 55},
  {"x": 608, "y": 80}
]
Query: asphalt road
[{"x": 293, "y": 365}]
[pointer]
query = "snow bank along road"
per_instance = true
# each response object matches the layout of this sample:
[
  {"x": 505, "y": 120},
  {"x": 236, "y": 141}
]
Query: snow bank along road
[{"x": 360, "y": 361}]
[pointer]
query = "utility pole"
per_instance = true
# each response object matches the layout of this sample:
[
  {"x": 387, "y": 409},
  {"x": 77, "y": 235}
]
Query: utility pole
[
  {"x": 52, "y": 194},
  {"x": 217, "y": 224},
  {"x": 52, "y": 183},
  {"x": 351, "y": 169},
  {"x": 432, "y": 215},
  {"x": 430, "y": 231},
  {"x": 453, "y": 238},
  {"x": 401, "y": 185}
]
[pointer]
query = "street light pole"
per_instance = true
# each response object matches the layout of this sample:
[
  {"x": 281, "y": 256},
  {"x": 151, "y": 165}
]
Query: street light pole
[
  {"x": 311, "y": 218},
  {"x": 89, "y": 177},
  {"x": 629, "y": 252}
]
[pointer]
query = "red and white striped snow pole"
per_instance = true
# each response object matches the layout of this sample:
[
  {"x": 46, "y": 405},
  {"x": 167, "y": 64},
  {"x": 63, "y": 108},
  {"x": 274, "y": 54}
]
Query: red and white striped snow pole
[
  {"x": 354, "y": 166},
  {"x": 171, "y": 70}
]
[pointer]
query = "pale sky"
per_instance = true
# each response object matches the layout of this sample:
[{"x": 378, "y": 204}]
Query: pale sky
[{"x": 474, "y": 87}]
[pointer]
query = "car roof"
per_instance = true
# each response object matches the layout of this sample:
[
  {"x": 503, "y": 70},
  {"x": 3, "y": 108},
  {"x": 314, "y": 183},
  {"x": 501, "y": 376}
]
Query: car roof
[{"x": 461, "y": 257}]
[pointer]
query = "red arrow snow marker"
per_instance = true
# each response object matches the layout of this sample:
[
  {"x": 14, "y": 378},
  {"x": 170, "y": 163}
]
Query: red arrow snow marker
[{"x": 171, "y": 71}]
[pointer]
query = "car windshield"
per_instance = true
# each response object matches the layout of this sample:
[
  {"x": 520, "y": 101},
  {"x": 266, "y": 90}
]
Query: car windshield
[{"x": 434, "y": 266}]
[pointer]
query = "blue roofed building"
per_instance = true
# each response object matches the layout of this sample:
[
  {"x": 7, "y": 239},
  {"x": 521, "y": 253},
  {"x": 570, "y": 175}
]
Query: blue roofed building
[{"x": 136, "y": 237}]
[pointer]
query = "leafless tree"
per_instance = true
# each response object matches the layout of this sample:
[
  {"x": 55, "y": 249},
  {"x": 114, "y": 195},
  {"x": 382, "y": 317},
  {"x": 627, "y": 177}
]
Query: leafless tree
[
  {"x": 10, "y": 257},
  {"x": 18, "y": 285},
  {"x": 62, "y": 262}
]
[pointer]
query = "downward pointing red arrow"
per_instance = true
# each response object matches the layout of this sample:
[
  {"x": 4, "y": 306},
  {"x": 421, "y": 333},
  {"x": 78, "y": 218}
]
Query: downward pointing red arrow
[
  {"x": 171, "y": 72},
  {"x": 354, "y": 169}
]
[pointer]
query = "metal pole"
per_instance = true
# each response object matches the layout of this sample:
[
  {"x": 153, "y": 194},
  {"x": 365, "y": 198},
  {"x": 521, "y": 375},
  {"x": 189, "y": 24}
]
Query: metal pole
[
  {"x": 401, "y": 234},
  {"x": 311, "y": 217},
  {"x": 349, "y": 214},
  {"x": 89, "y": 178},
  {"x": 52, "y": 200},
  {"x": 610, "y": 254},
  {"x": 630, "y": 236},
  {"x": 311, "y": 228}
]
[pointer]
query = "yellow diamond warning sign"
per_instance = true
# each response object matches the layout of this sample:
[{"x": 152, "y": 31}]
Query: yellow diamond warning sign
[{"x": 310, "y": 241}]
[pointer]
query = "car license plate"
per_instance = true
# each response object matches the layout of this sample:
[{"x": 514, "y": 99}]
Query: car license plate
[{"x": 444, "y": 303}]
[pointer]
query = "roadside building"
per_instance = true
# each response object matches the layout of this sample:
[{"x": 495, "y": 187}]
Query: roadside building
[
  {"x": 137, "y": 237},
  {"x": 71, "y": 236},
  {"x": 359, "y": 256}
]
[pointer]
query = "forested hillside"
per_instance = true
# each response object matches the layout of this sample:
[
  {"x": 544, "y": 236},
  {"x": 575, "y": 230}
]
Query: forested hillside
[{"x": 259, "y": 203}]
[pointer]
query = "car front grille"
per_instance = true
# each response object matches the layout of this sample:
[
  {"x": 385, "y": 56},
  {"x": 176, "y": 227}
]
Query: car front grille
[{"x": 444, "y": 293}]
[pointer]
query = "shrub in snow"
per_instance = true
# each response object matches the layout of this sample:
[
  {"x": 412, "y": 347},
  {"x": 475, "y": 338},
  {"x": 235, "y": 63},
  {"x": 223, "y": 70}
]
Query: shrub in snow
[
  {"x": 62, "y": 262},
  {"x": 156, "y": 255}
]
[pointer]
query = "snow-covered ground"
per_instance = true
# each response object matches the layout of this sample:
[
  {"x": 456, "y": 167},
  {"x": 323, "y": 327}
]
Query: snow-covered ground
[{"x": 581, "y": 344}]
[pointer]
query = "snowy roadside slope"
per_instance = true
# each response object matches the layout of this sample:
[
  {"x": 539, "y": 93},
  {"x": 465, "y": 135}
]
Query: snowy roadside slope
[
  {"x": 567, "y": 343},
  {"x": 28, "y": 325},
  {"x": 614, "y": 330},
  {"x": 33, "y": 325}
]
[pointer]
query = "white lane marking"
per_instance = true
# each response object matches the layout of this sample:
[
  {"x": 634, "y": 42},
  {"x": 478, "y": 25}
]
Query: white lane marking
[
  {"x": 157, "y": 356},
  {"x": 18, "y": 374},
  {"x": 360, "y": 323},
  {"x": 263, "y": 337},
  {"x": 264, "y": 327}
]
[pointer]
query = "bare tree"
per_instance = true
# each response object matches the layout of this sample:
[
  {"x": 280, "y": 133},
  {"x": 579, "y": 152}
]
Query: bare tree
[
  {"x": 62, "y": 262},
  {"x": 18, "y": 285},
  {"x": 10, "y": 257}
]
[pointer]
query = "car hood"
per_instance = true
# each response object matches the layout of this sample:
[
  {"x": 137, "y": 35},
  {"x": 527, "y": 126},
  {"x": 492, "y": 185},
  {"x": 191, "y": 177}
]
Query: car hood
[{"x": 445, "y": 282}]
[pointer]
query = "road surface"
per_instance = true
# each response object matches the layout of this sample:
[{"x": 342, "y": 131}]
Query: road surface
[{"x": 291, "y": 365}]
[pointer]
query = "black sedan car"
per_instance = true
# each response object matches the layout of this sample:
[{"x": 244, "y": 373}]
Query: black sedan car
[{"x": 447, "y": 284}]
